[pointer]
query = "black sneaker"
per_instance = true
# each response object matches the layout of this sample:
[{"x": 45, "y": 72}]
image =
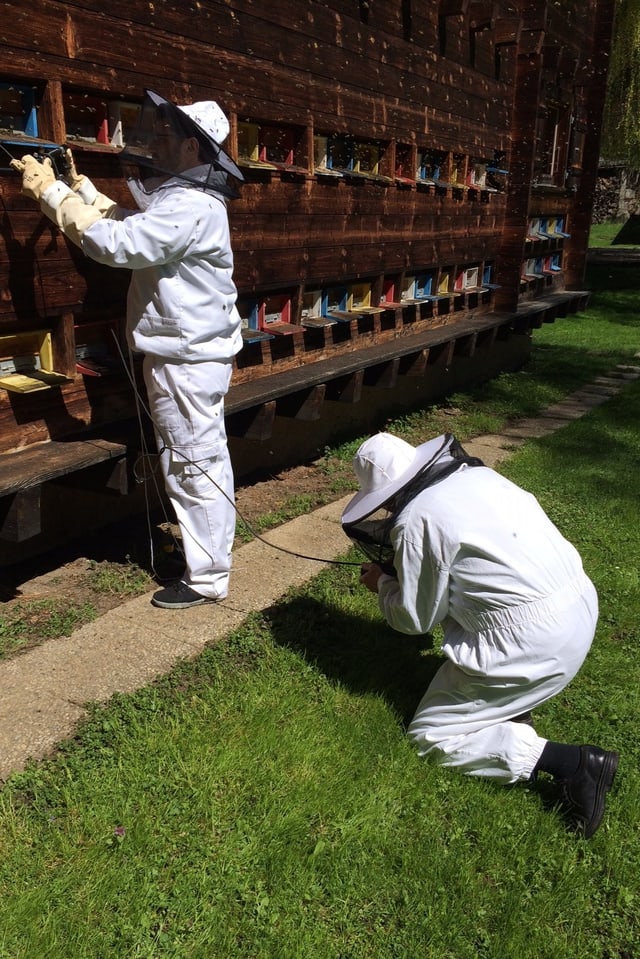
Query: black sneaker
[
  {"x": 178, "y": 596},
  {"x": 584, "y": 794}
]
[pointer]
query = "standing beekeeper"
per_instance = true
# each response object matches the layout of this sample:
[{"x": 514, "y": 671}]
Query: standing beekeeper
[
  {"x": 455, "y": 543},
  {"x": 181, "y": 309}
]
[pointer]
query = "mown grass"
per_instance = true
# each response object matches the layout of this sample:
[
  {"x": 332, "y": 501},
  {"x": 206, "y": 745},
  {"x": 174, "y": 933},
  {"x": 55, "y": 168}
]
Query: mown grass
[
  {"x": 603, "y": 234},
  {"x": 264, "y": 801}
]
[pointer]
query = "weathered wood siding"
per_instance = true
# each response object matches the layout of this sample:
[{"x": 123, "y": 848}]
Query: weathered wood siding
[{"x": 469, "y": 79}]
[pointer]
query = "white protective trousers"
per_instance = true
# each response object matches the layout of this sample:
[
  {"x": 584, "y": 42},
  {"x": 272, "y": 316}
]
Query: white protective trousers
[
  {"x": 521, "y": 657},
  {"x": 186, "y": 401}
]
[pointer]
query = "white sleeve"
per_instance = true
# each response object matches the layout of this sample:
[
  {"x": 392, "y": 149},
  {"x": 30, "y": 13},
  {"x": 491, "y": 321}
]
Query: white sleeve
[
  {"x": 159, "y": 235},
  {"x": 419, "y": 598}
]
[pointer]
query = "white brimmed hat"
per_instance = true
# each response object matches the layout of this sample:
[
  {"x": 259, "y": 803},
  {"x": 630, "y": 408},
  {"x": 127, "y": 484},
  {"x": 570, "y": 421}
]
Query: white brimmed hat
[
  {"x": 210, "y": 118},
  {"x": 383, "y": 465}
]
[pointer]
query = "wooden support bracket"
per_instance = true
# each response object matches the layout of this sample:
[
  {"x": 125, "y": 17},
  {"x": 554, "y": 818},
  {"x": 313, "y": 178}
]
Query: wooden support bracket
[
  {"x": 110, "y": 475},
  {"x": 52, "y": 121},
  {"x": 118, "y": 480},
  {"x": 507, "y": 32},
  {"x": 305, "y": 405},
  {"x": 384, "y": 375},
  {"x": 21, "y": 521},
  {"x": 255, "y": 423},
  {"x": 521, "y": 325},
  {"x": 486, "y": 338},
  {"x": 63, "y": 343},
  {"x": 453, "y": 8},
  {"x": 531, "y": 42},
  {"x": 441, "y": 355},
  {"x": 414, "y": 364},
  {"x": 466, "y": 345},
  {"x": 482, "y": 14},
  {"x": 346, "y": 389}
]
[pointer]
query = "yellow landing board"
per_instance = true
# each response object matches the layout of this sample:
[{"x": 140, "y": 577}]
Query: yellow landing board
[{"x": 29, "y": 383}]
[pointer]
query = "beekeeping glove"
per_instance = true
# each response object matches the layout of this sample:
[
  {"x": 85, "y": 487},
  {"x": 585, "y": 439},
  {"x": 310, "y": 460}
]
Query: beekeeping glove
[
  {"x": 69, "y": 211},
  {"x": 36, "y": 176},
  {"x": 78, "y": 182},
  {"x": 57, "y": 199},
  {"x": 85, "y": 188}
]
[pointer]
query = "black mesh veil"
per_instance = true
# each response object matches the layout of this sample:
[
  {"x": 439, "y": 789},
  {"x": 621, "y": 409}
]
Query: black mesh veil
[
  {"x": 372, "y": 534},
  {"x": 141, "y": 161}
]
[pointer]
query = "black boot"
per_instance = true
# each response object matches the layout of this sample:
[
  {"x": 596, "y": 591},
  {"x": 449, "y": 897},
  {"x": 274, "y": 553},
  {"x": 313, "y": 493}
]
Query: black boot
[{"x": 584, "y": 792}]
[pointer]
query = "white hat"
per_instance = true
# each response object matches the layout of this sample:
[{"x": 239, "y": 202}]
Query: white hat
[
  {"x": 210, "y": 118},
  {"x": 208, "y": 123},
  {"x": 383, "y": 465}
]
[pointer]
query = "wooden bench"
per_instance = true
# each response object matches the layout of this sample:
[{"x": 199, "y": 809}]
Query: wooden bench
[{"x": 25, "y": 471}]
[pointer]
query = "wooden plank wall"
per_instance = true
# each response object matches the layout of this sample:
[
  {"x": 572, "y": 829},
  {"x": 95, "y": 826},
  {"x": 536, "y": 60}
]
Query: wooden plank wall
[
  {"x": 278, "y": 62},
  {"x": 295, "y": 63},
  {"x": 455, "y": 75}
]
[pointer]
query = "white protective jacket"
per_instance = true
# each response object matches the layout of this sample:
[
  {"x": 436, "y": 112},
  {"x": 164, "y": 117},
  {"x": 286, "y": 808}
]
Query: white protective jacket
[
  {"x": 469, "y": 552},
  {"x": 182, "y": 298}
]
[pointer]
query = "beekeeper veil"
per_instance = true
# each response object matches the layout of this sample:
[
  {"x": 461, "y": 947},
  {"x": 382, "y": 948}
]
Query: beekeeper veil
[
  {"x": 390, "y": 473},
  {"x": 148, "y": 157}
]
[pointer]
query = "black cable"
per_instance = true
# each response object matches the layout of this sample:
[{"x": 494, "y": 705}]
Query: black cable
[{"x": 140, "y": 405}]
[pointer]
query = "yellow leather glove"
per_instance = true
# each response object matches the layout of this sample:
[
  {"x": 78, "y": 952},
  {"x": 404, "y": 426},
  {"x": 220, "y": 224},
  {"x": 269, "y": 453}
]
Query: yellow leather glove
[
  {"x": 69, "y": 211},
  {"x": 36, "y": 176},
  {"x": 85, "y": 188},
  {"x": 72, "y": 177},
  {"x": 78, "y": 182}
]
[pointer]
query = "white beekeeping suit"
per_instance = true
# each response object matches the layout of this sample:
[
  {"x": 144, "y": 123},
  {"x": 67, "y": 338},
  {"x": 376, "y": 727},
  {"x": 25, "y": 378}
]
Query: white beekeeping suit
[
  {"x": 467, "y": 549},
  {"x": 181, "y": 312}
]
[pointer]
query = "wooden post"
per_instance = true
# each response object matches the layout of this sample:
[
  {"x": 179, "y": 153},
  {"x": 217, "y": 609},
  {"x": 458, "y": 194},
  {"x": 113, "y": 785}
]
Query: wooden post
[
  {"x": 521, "y": 161},
  {"x": 64, "y": 347},
  {"x": 52, "y": 122}
]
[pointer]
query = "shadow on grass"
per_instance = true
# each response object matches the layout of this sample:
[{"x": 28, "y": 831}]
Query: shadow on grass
[
  {"x": 611, "y": 278},
  {"x": 364, "y": 656}
]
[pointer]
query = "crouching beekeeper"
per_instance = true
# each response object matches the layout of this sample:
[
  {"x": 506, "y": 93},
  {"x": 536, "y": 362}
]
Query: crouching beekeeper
[{"x": 455, "y": 543}]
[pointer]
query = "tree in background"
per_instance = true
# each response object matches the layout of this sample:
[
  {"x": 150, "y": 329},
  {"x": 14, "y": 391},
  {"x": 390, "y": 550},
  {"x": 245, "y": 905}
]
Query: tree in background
[{"x": 621, "y": 122}]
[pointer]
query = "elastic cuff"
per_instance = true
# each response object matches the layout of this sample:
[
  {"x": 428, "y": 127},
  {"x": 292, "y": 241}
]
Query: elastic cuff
[
  {"x": 55, "y": 194},
  {"x": 87, "y": 191}
]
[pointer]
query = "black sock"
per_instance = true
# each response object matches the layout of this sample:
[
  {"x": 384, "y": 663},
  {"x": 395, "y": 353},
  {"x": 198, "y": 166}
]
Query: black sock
[{"x": 559, "y": 760}]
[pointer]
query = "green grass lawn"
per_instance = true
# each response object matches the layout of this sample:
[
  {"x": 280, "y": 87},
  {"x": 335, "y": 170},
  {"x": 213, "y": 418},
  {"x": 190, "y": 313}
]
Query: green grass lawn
[
  {"x": 263, "y": 802},
  {"x": 603, "y": 234}
]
